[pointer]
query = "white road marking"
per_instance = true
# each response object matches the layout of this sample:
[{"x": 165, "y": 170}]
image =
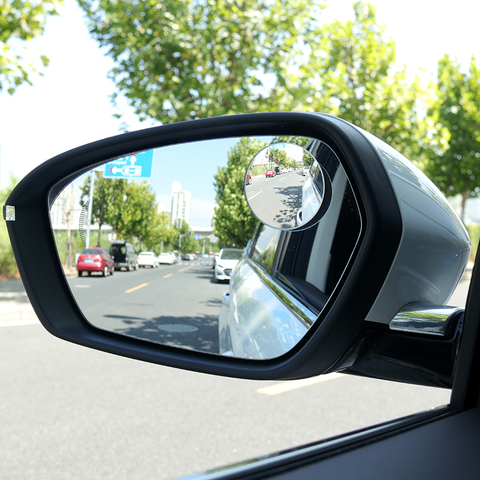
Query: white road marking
[
  {"x": 295, "y": 384},
  {"x": 250, "y": 198},
  {"x": 19, "y": 323}
]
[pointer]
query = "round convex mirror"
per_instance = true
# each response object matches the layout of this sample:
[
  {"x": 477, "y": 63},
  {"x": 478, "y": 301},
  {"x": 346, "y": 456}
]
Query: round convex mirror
[{"x": 286, "y": 188}]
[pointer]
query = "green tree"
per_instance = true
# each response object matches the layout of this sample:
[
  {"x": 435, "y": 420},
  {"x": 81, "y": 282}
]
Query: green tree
[
  {"x": 351, "y": 72},
  {"x": 456, "y": 169},
  {"x": 178, "y": 60},
  {"x": 108, "y": 199},
  {"x": 278, "y": 156},
  {"x": 21, "y": 21},
  {"x": 136, "y": 217},
  {"x": 234, "y": 223},
  {"x": 8, "y": 266},
  {"x": 159, "y": 231},
  {"x": 188, "y": 243}
]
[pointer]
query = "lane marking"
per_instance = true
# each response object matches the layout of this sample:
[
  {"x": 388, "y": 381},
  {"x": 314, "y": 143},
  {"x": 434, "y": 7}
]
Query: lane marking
[
  {"x": 19, "y": 323},
  {"x": 295, "y": 384},
  {"x": 12, "y": 294},
  {"x": 255, "y": 195},
  {"x": 169, "y": 275},
  {"x": 183, "y": 269},
  {"x": 136, "y": 288}
]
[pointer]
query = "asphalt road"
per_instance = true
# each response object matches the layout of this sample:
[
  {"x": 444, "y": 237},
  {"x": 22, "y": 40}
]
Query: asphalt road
[
  {"x": 68, "y": 412},
  {"x": 276, "y": 200},
  {"x": 175, "y": 305}
]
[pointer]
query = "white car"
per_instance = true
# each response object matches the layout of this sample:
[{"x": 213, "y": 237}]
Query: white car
[
  {"x": 148, "y": 259},
  {"x": 227, "y": 260},
  {"x": 167, "y": 258}
]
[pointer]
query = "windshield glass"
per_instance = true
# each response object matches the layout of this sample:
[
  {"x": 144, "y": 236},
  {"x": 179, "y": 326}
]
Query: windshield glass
[{"x": 231, "y": 254}]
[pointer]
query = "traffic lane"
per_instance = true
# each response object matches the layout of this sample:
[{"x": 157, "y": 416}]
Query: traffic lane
[
  {"x": 176, "y": 306},
  {"x": 277, "y": 200},
  {"x": 73, "y": 412}
]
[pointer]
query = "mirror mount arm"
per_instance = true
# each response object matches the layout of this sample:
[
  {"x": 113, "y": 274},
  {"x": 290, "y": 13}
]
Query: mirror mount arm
[{"x": 427, "y": 359}]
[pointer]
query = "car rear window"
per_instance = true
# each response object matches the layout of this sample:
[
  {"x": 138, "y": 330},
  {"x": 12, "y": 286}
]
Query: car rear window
[{"x": 231, "y": 254}]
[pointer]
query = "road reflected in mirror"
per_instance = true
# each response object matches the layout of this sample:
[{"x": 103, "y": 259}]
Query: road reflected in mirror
[
  {"x": 154, "y": 246},
  {"x": 285, "y": 187}
]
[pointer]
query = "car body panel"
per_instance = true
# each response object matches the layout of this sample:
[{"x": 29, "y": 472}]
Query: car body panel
[
  {"x": 167, "y": 258},
  {"x": 225, "y": 263},
  {"x": 147, "y": 259},
  {"x": 124, "y": 255},
  {"x": 95, "y": 259},
  {"x": 433, "y": 227},
  {"x": 259, "y": 325}
]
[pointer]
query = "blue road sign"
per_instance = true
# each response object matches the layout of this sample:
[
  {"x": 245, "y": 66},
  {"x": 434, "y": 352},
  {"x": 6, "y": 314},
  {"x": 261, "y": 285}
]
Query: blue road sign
[{"x": 137, "y": 165}]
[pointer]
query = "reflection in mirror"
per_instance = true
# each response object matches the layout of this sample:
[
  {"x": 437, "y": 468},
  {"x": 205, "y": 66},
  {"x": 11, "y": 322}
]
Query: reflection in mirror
[
  {"x": 289, "y": 188},
  {"x": 142, "y": 242}
]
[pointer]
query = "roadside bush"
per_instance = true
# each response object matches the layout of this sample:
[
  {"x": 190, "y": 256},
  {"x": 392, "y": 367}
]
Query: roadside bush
[
  {"x": 474, "y": 233},
  {"x": 77, "y": 245},
  {"x": 8, "y": 266}
]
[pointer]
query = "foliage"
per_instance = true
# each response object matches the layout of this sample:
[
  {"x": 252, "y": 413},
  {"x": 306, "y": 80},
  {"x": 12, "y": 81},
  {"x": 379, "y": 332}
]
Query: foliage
[
  {"x": 131, "y": 209},
  {"x": 178, "y": 60},
  {"x": 8, "y": 266},
  {"x": 456, "y": 169},
  {"x": 77, "y": 246},
  {"x": 189, "y": 244},
  {"x": 108, "y": 199},
  {"x": 21, "y": 21},
  {"x": 351, "y": 73},
  {"x": 474, "y": 234},
  {"x": 135, "y": 218},
  {"x": 159, "y": 231},
  {"x": 278, "y": 156},
  {"x": 234, "y": 223}
]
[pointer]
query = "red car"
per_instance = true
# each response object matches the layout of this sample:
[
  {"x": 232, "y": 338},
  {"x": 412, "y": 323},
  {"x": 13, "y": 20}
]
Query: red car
[
  {"x": 270, "y": 173},
  {"x": 248, "y": 179},
  {"x": 95, "y": 259}
]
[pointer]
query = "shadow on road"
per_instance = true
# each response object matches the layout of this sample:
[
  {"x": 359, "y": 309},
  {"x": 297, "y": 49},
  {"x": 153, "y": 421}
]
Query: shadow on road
[
  {"x": 199, "y": 333},
  {"x": 290, "y": 201}
]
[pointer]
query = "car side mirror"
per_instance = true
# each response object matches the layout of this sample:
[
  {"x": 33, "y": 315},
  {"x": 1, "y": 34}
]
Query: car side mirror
[
  {"x": 299, "y": 198},
  {"x": 353, "y": 289}
]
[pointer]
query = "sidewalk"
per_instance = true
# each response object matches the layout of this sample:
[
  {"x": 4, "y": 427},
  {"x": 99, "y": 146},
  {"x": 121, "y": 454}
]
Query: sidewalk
[{"x": 14, "y": 305}]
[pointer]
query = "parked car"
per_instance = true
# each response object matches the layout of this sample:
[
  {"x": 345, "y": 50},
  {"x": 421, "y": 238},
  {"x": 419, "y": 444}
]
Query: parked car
[
  {"x": 269, "y": 173},
  {"x": 148, "y": 259},
  {"x": 364, "y": 292},
  {"x": 278, "y": 171},
  {"x": 167, "y": 258},
  {"x": 95, "y": 259},
  {"x": 226, "y": 262},
  {"x": 248, "y": 179},
  {"x": 124, "y": 255}
]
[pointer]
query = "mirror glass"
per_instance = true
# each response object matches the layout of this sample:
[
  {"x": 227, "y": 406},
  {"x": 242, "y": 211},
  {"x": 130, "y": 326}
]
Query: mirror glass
[
  {"x": 161, "y": 245},
  {"x": 285, "y": 187}
]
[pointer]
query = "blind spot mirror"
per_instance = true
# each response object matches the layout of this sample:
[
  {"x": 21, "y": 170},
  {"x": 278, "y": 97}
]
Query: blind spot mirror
[{"x": 286, "y": 188}]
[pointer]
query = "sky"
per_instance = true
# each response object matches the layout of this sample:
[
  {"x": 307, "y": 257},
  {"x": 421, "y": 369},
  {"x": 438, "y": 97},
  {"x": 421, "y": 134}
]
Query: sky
[{"x": 70, "y": 104}]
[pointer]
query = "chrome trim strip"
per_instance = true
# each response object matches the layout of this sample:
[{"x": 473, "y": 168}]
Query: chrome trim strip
[
  {"x": 424, "y": 318},
  {"x": 304, "y": 314}
]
